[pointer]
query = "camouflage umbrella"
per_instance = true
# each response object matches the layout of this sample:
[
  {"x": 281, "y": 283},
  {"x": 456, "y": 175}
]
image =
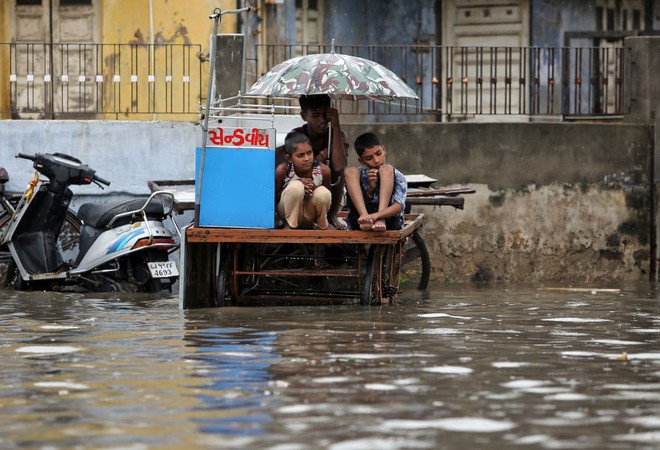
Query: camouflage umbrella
[{"x": 340, "y": 76}]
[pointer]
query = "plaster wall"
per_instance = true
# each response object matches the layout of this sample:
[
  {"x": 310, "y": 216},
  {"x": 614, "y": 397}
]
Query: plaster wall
[
  {"x": 174, "y": 22},
  {"x": 553, "y": 202},
  {"x": 126, "y": 153}
]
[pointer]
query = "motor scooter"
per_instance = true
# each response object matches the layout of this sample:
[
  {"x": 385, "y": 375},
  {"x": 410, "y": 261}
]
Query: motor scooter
[{"x": 123, "y": 246}]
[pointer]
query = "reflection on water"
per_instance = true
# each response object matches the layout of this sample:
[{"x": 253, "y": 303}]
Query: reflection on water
[
  {"x": 236, "y": 361},
  {"x": 461, "y": 367}
]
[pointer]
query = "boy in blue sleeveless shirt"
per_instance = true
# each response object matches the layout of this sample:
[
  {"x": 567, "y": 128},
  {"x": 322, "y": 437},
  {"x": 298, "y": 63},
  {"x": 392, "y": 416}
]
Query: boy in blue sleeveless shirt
[{"x": 376, "y": 190}]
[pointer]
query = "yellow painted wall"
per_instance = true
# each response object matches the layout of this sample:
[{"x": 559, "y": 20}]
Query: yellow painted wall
[
  {"x": 4, "y": 59},
  {"x": 175, "y": 21},
  {"x": 129, "y": 22},
  {"x": 4, "y": 28}
]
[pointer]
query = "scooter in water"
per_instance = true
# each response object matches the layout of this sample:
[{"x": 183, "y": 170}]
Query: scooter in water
[{"x": 123, "y": 246}]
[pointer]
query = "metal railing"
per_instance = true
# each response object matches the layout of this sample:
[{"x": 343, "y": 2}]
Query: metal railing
[
  {"x": 466, "y": 82},
  {"x": 167, "y": 81},
  {"x": 59, "y": 81}
]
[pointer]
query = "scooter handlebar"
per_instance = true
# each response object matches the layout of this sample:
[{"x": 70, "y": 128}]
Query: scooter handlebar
[
  {"x": 63, "y": 170},
  {"x": 101, "y": 180},
  {"x": 24, "y": 156}
]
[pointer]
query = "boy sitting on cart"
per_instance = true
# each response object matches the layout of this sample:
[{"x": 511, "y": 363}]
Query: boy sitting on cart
[
  {"x": 302, "y": 185},
  {"x": 376, "y": 190}
]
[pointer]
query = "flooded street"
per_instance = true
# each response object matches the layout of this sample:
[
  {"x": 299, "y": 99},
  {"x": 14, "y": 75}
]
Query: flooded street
[{"x": 460, "y": 367}]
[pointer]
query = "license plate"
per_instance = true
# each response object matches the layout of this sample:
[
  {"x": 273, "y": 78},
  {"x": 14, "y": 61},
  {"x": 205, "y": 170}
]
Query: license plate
[{"x": 163, "y": 269}]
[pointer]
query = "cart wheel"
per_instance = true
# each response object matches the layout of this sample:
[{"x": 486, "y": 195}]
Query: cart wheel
[
  {"x": 367, "y": 281},
  {"x": 222, "y": 280},
  {"x": 238, "y": 258},
  {"x": 391, "y": 270},
  {"x": 380, "y": 275},
  {"x": 416, "y": 264},
  {"x": 376, "y": 278}
]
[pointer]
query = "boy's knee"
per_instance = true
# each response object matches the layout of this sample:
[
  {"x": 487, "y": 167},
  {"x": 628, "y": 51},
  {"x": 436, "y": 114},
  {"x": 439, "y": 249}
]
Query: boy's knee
[
  {"x": 351, "y": 172},
  {"x": 386, "y": 170}
]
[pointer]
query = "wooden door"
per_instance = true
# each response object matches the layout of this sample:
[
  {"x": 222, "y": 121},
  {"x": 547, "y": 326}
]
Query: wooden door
[
  {"x": 309, "y": 26},
  {"x": 485, "y": 66},
  {"x": 53, "y": 62},
  {"x": 626, "y": 16}
]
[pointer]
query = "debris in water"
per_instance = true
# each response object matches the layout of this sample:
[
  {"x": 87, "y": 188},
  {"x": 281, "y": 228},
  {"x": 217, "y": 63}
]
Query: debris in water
[{"x": 592, "y": 291}]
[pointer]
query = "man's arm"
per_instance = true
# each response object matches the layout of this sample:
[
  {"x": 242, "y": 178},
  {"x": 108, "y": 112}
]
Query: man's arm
[
  {"x": 325, "y": 171},
  {"x": 339, "y": 145}
]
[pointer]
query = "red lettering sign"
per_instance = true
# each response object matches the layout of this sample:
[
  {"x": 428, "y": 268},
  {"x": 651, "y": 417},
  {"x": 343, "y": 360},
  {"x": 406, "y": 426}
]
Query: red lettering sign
[
  {"x": 239, "y": 137},
  {"x": 215, "y": 136}
]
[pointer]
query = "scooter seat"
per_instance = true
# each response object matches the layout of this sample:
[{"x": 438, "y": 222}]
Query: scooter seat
[{"x": 99, "y": 215}]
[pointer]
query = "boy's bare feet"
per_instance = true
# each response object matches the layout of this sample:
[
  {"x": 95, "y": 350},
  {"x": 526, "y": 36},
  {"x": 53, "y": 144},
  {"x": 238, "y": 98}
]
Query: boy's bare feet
[
  {"x": 379, "y": 225},
  {"x": 365, "y": 223}
]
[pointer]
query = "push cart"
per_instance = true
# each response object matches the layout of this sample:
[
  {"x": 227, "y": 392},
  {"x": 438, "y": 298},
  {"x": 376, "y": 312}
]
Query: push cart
[
  {"x": 246, "y": 266},
  {"x": 233, "y": 253},
  {"x": 235, "y": 266}
]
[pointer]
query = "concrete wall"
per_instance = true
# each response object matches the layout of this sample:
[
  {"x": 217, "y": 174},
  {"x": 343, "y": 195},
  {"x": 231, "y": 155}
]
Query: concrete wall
[
  {"x": 554, "y": 202},
  {"x": 126, "y": 153}
]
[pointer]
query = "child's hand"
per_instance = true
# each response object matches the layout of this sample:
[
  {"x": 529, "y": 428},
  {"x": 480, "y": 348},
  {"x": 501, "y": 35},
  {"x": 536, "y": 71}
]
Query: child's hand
[
  {"x": 309, "y": 186},
  {"x": 368, "y": 218},
  {"x": 365, "y": 219},
  {"x": 372, "y": 176}
]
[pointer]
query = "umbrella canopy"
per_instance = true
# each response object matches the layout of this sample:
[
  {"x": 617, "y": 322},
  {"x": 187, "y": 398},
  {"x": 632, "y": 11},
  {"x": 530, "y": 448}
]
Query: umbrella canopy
[{"x": 340, "y": 76}]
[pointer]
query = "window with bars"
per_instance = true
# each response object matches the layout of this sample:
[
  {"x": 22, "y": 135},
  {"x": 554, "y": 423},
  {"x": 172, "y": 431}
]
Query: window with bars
[
  {"x": 617, "y": 15},
  {"x": 309, "y": 22}
]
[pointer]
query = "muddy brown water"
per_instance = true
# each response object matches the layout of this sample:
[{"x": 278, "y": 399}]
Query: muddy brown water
[{"x": 458, "y": 367}]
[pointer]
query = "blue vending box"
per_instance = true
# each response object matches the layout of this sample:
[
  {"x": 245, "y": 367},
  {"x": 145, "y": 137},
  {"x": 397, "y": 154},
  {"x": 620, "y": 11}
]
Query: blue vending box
[{"x": 238, "y": 181}]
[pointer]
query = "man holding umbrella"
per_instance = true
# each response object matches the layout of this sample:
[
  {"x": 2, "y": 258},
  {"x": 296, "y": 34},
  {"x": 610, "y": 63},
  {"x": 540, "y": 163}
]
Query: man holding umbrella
[
  {"x": 322, "y": 128},
  {"x": 315, "y": 79}
]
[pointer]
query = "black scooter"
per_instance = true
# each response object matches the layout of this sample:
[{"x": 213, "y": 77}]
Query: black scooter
[{"x": 122, "y": 246}]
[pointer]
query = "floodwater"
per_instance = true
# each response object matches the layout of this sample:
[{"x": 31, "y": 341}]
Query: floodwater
[{"x": 460, "y": 367}]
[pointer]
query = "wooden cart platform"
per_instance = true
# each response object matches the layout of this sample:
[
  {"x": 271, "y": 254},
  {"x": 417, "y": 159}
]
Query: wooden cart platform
[
  {"x": 258, "y": 235},
  {"x": 224, "y": 266}
]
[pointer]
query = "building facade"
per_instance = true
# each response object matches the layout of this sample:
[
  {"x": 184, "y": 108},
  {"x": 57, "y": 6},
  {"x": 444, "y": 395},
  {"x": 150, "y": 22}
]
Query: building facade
[
  {"x": 67, "y": 56},
  {"x": 119, "y": 59}
]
